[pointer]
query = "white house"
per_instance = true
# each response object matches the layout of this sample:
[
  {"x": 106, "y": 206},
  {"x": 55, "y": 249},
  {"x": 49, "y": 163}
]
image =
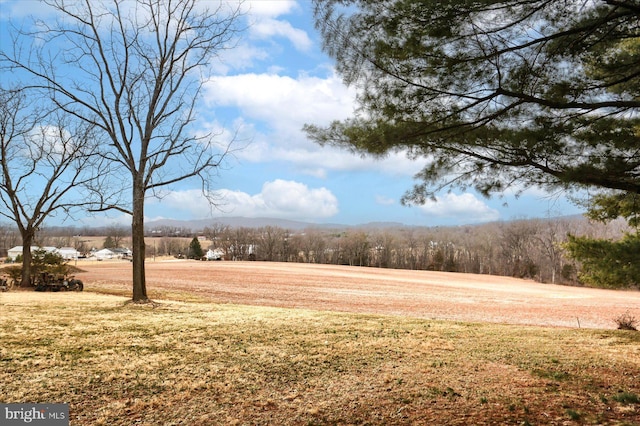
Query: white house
[
  {"x": 104, "y": 254},
  {"x": 16, "y": 251},
  {"x": 68, "y": 253},
  {"x": 122, "y": 253},
  {"x": 114, "y": 253}
]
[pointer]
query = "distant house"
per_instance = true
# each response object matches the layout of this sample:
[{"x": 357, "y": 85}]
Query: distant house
[
  {"x": 114, "y": 253},
  {"x": 12, "y": 253},
  {"x": 103, "y": 254},
  {"x": 16, "y": 251},
  {"x": 68, "y": 253},
  {"x": 122, "y": 253}
]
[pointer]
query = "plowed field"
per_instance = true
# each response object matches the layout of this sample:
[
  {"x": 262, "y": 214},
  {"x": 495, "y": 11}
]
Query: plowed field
[{"x": 420, "y": 294}]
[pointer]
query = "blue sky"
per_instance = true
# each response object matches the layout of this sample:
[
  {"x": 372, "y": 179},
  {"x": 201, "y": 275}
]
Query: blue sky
[{"x": 263, "y": 91}]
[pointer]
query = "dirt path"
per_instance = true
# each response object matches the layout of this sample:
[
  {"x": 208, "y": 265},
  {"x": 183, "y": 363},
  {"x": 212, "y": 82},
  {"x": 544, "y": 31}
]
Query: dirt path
[{"x": 422, "y": 294}]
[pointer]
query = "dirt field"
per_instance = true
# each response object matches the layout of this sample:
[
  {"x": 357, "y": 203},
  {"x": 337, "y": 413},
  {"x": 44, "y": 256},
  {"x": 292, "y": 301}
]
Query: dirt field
[{"x": 420, "y": 294}]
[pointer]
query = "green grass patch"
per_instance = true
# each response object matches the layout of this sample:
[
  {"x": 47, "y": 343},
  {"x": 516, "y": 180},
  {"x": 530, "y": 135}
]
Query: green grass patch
[{"x": 626, "y": 398}]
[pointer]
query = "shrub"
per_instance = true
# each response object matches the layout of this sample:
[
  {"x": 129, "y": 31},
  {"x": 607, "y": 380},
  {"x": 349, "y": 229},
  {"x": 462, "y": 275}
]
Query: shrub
[
  {"x": 41, "y": 262},
  {"x": 14, "y": 273},
  {"x": 626, "y": 321},
  {"x": 48, "y": 262}
]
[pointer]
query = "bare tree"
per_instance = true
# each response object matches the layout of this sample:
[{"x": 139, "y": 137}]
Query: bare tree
[
  {"x": 240, "y": 243},
  {"x": 214, "y": 232},
  {"x": 44, "y": 158},
  {"x": 168, "y": 246},
  {"x": 138, "y": 70},
  {"x": 410, "y": 251},
  {"x": 384, "y": 246},
  {"x": 117, "y": 235},
  {"x": 316, "y": 246},
  {"x": 9, "y": 237},
  {"x": 355, "y": 248},
  {"x": 517, "y": 242},
  {"x": 270, "y": 242}
]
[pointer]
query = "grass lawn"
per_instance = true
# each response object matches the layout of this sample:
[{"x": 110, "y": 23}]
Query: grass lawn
[{"x": 180, "y": 363}]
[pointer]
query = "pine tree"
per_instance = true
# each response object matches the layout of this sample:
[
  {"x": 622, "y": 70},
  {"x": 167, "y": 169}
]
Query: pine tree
[
  {"x": 195, "y": 249},
  {"x": 491, "y": 94},
  {"x": 605, "y": 263},
  {"x": 109, "y": 243}
]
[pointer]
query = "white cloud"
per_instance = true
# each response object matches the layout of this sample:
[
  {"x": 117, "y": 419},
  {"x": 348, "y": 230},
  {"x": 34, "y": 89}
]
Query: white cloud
[
  {"x": 268, "y": 28},
  {"x": 241, "y": 57},
  {"x": 282, "y": 101},
  {"x": 293, "y": 199},
  {"x": 278, "y": 199},
  {"x": 263, "y": 24},
  {"x": 313, "y": 160},
  {"x": 465, "y": 206},
  {"x": 259, "y": 18},
  {"x": 280, "y": 105},
  {"x": 270, "y": 8}
]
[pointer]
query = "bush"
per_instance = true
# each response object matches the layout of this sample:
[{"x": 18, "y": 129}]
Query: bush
[
  {"x": 48, "y": 262},
  {"x": 41, "y": 262},
  {"x": 626, "y": 321},
  {"x": 14, "y": 273}
]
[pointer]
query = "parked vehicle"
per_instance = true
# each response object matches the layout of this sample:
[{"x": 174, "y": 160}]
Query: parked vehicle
[{"x": 57, "y": 282}]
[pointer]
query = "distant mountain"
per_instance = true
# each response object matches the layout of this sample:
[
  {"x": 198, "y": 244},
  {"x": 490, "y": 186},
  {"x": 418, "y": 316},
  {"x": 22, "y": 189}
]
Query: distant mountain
[
  {"x": 249, "y": 222},
  {"x": 236, "y": 222},
  {"x": 293, "y": 225}
]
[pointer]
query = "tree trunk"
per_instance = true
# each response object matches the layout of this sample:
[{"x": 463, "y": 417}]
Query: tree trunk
[
  {"x": 137, "y": 240},
  {"x": 27, "y": 240}
]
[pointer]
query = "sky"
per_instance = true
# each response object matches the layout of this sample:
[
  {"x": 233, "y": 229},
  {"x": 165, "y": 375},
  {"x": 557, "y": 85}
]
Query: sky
[{"x": 263, "y": 91}]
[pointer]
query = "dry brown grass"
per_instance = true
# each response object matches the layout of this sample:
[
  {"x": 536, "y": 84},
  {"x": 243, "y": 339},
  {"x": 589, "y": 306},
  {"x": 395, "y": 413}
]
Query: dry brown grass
[{"x": 209, "y": 364}]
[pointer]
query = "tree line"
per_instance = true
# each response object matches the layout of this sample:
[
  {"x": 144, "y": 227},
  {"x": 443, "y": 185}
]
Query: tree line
[
  {"x": 528, "y": 248},
  {"x": 532, "y": 248}
]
